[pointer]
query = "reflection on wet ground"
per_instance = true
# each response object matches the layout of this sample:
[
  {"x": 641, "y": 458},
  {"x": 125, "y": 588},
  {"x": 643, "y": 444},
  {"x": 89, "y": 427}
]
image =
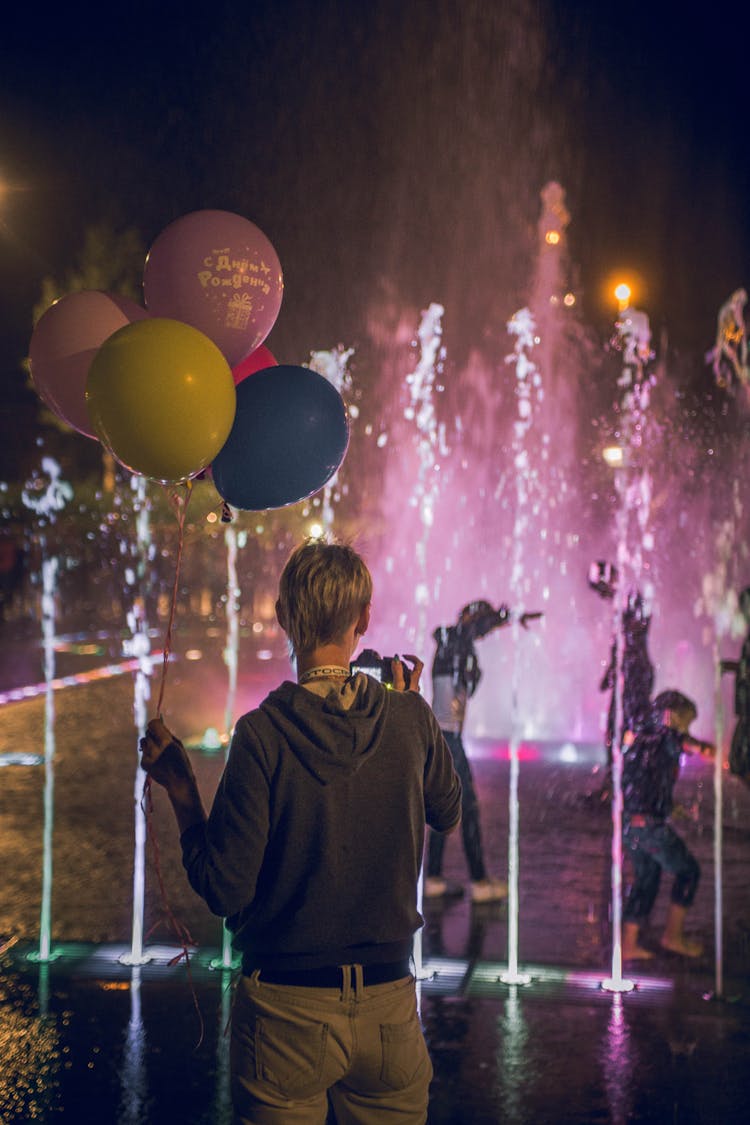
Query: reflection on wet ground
[{"x": 86, "y": 1037}]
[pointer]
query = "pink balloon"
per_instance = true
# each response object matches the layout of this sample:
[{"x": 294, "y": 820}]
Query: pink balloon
[
  {"x": 64, "y": 342},
  {"x": 219, "y": 273},
  {"x": 256, "y": 361}
]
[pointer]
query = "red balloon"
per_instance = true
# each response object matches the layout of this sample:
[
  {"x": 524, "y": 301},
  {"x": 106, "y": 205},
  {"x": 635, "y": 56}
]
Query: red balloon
[
  {"x": 289, "y": 436},
  {"x": 63, "y": 344},
  {"x": 256, "y": 361},
  {"x": 219, "y": 273}
]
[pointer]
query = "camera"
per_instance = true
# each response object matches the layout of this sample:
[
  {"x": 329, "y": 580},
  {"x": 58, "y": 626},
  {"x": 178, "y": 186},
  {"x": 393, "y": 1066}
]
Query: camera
[{"x": 379, "y": 667}]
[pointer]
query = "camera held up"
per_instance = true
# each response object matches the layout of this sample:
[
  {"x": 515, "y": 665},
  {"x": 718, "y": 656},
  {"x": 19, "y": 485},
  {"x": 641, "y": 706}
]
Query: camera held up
[{"x": 379, "y": 667}]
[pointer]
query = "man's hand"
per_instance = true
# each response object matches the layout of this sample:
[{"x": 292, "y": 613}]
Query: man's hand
[
  {"x": 399, "y": 680},
  {"x": 697, "y": 746},
  {"x": 164, "y": 758}
]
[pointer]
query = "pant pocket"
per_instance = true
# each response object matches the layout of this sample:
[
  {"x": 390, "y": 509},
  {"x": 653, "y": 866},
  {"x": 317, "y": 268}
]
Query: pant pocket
[
  {"x": 404, "y": 1053},
  {"x": 290, "y": 1056}
]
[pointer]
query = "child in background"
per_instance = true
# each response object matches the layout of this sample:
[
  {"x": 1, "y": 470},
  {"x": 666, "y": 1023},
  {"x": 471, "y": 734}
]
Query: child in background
[{"x": 651, "y": 766}]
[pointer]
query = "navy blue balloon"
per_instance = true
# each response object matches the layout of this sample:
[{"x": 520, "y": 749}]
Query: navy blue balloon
[{"x": 289, "y": 437}]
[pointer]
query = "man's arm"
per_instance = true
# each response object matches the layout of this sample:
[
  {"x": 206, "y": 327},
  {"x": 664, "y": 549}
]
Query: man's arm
[
  {"x": 696, "y": 746},
  {"x": 485, "y": 623}
]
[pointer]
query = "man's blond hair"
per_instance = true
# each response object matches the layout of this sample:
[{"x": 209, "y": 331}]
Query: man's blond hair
[{"x": 322, "y": 590}]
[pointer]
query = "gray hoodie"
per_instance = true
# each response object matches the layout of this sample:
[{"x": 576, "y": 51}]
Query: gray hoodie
[{"x": 313, "y": 846}]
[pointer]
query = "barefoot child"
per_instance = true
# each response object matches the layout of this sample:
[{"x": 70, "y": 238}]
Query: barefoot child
[{"x": 650, "y": 769}]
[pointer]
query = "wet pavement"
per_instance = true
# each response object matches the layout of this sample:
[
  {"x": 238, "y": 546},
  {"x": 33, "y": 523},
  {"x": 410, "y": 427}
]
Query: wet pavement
[{"x": 86, "y": 1037}]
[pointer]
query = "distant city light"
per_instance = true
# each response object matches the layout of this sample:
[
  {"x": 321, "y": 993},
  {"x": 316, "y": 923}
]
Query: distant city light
[
  {"x": 316, "y": 530},
  {"x": 613, "y": 455},
  {"x": 623, "y": 295},
  {"x": 211, "y": 739},
  {"x": 569, "y": 300}
]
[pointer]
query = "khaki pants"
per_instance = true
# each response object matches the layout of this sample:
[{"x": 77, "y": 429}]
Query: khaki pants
[{"x": 292, "y": 1048}]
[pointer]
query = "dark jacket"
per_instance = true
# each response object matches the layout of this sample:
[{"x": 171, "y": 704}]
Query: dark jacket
[
  {"x": 313, "y": 846},
  {"x": 650, "y": 768}
]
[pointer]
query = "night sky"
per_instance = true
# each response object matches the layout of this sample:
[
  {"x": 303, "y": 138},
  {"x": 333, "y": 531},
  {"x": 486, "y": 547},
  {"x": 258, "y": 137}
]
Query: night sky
[{"x": 391, "y": 151}]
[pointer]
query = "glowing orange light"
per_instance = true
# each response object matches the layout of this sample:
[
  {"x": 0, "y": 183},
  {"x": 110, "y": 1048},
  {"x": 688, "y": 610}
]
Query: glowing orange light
[{"x": 552, "y": 237}]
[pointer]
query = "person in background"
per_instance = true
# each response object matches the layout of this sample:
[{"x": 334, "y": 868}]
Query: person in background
[
  {"x": 637, "y": 673},
  {"x": 739, "y": 751},
  {"x": 312, "y": 851},
  {"x": 637, "y": 667},
  {"x": 455, "y": 678},
  {"x": 651, "y": 766}
]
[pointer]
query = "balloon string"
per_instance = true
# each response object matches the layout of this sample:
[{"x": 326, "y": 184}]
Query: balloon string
[
  {"x": 182, "y": 933},
  {"x": 180, "y": 508}
]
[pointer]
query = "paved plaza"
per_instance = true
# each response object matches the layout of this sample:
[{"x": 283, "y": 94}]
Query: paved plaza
[{"x": 88, "y": 1036}]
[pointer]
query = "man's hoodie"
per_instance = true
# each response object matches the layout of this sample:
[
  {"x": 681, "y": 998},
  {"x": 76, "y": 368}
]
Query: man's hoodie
[{"x": 313, "y": 846}]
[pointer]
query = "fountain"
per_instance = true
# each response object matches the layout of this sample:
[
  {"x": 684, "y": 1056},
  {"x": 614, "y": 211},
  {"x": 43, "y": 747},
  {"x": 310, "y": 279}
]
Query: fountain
[
  {"x": 138, "y": 647},
  {"x": 46, "y": 504},
  {"x": 508, "y": 522}
]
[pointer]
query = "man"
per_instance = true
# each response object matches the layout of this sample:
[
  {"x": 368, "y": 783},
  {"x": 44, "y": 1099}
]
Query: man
[
  {"x": 637, "y": 669},
  {"x": 455, "y": 678},
  {"x": 637, "y": 675},
  {"x": 650, "y": 769},
  {"x": 312, "y": 851},
  {"x": 739, "y": 751}
]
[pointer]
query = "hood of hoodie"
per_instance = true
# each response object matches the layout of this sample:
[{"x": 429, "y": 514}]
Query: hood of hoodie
[{"x": 332, "y": 735}]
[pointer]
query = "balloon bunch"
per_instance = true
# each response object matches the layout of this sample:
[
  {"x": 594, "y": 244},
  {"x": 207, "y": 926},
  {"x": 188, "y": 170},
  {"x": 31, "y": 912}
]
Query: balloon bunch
[{"x": 186, "y": 383}]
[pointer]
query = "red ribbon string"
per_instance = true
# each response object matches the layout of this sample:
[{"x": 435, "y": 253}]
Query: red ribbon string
[{"x": 179, "y": 505}]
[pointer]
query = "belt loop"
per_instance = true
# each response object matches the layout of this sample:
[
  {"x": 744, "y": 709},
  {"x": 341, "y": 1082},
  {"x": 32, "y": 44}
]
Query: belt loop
[
  {"x": 346, "y": 985},
  {"x": 359, "y": 981}
]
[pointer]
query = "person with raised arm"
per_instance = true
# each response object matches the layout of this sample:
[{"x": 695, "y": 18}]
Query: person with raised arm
[{"x": 455, "y": 678}]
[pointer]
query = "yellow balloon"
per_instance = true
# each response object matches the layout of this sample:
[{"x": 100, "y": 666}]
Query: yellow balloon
[{"x": 161, "y": 397}]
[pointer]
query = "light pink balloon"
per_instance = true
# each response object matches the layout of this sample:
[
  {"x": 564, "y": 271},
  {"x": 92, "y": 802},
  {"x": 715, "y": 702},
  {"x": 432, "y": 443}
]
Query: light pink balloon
[
  {"x": 63, "y": 344},
  {"x": 219, "y": 273}
]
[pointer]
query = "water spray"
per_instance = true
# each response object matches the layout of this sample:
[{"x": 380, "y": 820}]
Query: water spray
[
  {"x": 233, "y": 542},
  {"x": 46, "y": 500},
  {"x": 719, "y": 602},
  {"x": 528, "y": 390},
  {"x": 138, "y": 647},
  {"x": 333, "y": 366},
  {"x": 634, "y": 542},
  {"x": 430, "y": 445}
]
